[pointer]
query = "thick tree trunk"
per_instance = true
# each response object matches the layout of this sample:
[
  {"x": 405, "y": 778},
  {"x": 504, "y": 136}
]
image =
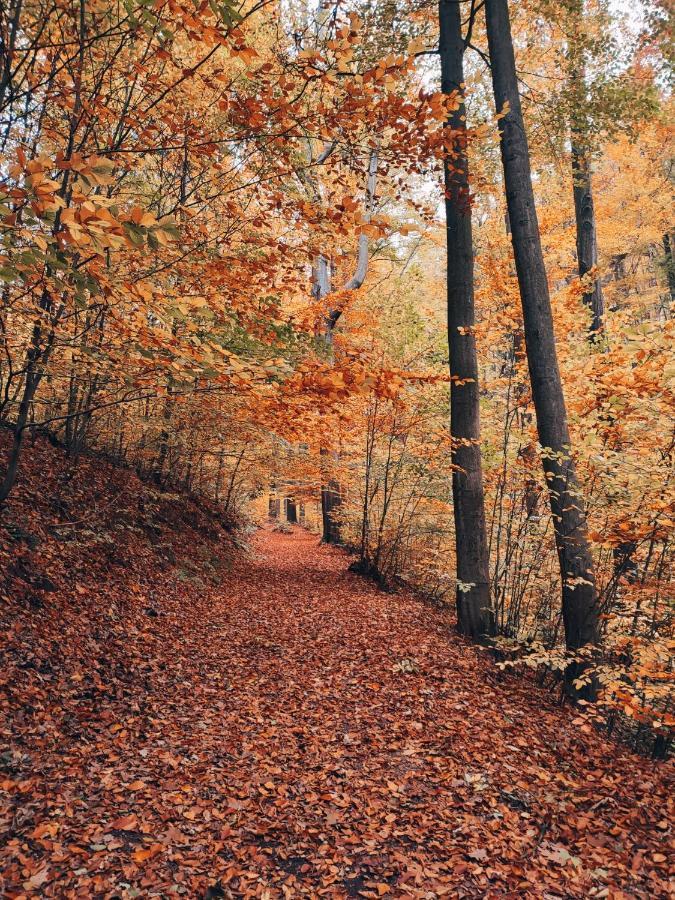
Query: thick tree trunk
[
  {"x": 331, "y": 498},
  {"x": 474, "y": 613},
  {"x": 291, "y": 512},
  {"x": 579, "y": 595}
]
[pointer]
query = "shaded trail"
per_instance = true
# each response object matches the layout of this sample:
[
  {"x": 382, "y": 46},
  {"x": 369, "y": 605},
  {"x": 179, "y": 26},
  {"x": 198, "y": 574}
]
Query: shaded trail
[{"x": 259, "y": 739}]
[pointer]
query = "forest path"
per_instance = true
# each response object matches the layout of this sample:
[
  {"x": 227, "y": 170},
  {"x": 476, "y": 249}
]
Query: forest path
[{"x": 260, "y": 740}]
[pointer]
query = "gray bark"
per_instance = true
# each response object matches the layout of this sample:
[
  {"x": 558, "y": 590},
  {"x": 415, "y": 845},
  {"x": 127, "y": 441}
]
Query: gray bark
[
  {"x": 474, "y": 612},
  {"x": 579, "y": 595},
  {"x": 587, "y": 241},
  {"x": 670, "y": 266},
  {"x": 584, "y": 211},
  {"x": 330, "y": 489}
]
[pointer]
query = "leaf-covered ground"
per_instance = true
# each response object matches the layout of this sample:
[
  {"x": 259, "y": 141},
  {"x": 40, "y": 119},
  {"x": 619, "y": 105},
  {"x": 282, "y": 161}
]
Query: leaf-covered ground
[{"x": 295, "y": 732}]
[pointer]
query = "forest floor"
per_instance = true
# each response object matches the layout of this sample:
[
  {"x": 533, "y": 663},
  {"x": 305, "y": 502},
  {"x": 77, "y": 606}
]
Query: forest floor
[{"x": 285, "y": 729}]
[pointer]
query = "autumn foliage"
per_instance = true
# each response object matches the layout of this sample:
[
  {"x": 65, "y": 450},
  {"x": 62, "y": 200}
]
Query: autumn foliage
[
  {"x": 223, "y": 300},
  {"x": 270, "y": 725}
]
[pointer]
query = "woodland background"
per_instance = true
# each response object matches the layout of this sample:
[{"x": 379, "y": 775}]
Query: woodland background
[{"x": 223, "y": 265}]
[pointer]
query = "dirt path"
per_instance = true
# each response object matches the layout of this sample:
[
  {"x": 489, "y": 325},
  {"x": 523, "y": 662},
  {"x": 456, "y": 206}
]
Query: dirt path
[{"x": 261, "y": 740}]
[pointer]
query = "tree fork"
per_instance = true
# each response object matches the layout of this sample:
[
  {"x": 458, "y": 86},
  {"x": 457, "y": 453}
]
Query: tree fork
[{"x": 331, "y": 496}]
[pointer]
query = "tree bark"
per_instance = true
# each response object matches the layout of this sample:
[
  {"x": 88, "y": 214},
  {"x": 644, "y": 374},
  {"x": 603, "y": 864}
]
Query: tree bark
[
  {"x": 587, "y": 242},
  {"x": 331, "y": 496},
  {"x": 579, "y": 595},
  {"x": 37, "y": 358},
  {"x": 330, "y": 488},
  {"x": 474, "y": 612},
  {"x": 670, "y": 265},
  {"x": 32, "y": 382},
  {"x": 584, "y": 211}
]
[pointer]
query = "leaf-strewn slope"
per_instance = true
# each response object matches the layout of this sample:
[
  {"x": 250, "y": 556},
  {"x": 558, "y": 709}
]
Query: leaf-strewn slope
[{"x": 295, "y": 732}]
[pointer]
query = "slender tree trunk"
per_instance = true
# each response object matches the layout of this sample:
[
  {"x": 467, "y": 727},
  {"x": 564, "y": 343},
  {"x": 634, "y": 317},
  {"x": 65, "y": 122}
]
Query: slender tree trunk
[
  {"x": 233, "y": 478},
  {"x": 670, "y": 265},
  {"x": 584, "y": 211},
  {"x": 474, "y": 612},
  {"x": 331, "y": 496},
  {"x": 330, "y": 488},
  {"x": 37, "y": 358},
  {"x": 32, "y": 381},
  {"x": 579, "y": 595},
  {"x": 528, "y": 451},
  {"x": 587, "y": 242},
  {"x": 12, "y": 17},
  {"x": 167, "y": 410},
  {"x": 163, "y": 438},
  {"x": 370, "y": 447}
]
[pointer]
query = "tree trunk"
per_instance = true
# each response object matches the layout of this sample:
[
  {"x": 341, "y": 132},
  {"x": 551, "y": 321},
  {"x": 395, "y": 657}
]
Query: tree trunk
[
  {"x": 474, "y": 613},
  {"x": 584, "y": 212},
  {"x": 670, "y": 265},
  {"x": 330, "y": 488},
  {"x": 579, "y": 595},
  {"x": 331, "y": 495},
  {"x": 587, "y": 242},
  {"x": 37, "y": 358},
  {"x": 291, "y": 512},
  {"x": 331, "y": 498},
  {"x": 32, "y": 381}
]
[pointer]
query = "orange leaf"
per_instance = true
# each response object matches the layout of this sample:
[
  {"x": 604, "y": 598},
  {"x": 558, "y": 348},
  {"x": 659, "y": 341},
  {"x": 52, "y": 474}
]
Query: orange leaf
[{"x": 143, "y": 855}]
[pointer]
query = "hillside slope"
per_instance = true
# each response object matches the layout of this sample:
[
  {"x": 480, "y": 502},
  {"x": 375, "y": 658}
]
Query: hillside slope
[{"x": 179, "y": 719}]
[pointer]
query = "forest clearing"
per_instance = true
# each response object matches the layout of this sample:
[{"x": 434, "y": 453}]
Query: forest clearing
[{"x": 337, "y": 429}]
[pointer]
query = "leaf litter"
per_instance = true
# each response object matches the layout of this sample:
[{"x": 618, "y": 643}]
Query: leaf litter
[{"x": 293, "y": 731}]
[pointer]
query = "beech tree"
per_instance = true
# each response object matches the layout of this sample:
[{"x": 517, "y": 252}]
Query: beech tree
[
  {"x": 579, "y": 595},
  {"x": 584, "y": 211},
  {"x": 589, "y": 93},
  {"x": 474, "y": 613},
  {"x": 321, "y": 290}
]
